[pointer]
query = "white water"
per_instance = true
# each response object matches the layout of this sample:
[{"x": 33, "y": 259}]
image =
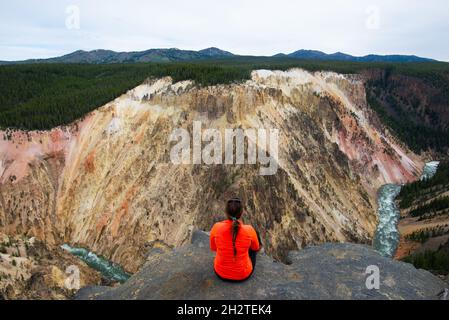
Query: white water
[
  {"x": 429, "y": 170},
  {"x": 107, "y": 268},
  {"x": 386, "y": 238}
]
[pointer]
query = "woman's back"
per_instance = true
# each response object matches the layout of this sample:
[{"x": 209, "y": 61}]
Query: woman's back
[{"x": 226, "y": 264}]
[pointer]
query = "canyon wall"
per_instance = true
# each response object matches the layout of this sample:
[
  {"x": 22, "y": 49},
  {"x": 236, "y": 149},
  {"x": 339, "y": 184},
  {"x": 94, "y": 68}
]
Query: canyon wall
[{"x": 107, "y": 183}]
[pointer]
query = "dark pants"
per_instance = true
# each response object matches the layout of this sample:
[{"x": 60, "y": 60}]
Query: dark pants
[{"x": 253, "y": 257}]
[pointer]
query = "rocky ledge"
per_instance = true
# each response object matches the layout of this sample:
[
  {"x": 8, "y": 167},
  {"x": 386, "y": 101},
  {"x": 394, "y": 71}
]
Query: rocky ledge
[{"x": 329, "y": 271}]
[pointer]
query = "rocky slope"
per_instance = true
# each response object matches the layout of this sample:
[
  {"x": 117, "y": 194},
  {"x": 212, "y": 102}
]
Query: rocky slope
[
  {"x": 330, "y": 271},
  {"x": 419, "y": 236},
  {"x": 106, "y": 182},
  {"x": 31, "y": 270}
]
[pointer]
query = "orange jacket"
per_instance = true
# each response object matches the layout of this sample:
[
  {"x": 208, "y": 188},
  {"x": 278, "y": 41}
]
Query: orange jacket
[{"x": 225, "y": 264}]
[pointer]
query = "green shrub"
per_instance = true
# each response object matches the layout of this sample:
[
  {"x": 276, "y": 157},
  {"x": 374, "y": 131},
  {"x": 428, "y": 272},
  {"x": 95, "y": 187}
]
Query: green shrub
[
  {"x": 433, "y": 206},
  {"x": 430, "y": 260}
]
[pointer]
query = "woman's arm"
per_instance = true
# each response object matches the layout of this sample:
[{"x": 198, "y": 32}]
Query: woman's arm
[
  {"x": 255, "y": 244},
  {"x": 213, "y": 245}
]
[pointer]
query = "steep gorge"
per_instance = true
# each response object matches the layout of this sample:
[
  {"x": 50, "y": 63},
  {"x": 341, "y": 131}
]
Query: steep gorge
[{"x": 106, "y": 182}]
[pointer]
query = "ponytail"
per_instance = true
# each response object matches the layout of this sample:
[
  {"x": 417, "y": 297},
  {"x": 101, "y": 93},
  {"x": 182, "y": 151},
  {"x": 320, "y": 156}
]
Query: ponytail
[
  {"x": 234, "y": 211},
  {"x": 235, "y": 231}
]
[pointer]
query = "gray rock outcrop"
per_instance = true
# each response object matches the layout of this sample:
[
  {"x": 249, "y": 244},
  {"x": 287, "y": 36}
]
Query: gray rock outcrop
[{"x": 330, "y": 271}]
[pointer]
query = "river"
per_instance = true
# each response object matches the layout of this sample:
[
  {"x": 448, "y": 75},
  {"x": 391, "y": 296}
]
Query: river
[
  {"x": 108, "y": 269},
  {"x": 386, "y": 238}
]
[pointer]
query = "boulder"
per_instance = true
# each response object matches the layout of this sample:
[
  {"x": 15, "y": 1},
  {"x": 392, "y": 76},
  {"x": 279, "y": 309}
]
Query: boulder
[{"x": 329, "y": 271}]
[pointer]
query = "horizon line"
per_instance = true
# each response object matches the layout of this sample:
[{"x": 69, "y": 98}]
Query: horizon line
[{"x": 234, "y": 54}]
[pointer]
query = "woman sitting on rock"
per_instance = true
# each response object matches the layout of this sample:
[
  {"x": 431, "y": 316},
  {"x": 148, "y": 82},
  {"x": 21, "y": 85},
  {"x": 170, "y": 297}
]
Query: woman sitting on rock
[{"x": 236, "y": 245}]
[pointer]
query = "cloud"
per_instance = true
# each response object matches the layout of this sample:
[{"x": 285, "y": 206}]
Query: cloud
[{"x": 262, "y": 27}]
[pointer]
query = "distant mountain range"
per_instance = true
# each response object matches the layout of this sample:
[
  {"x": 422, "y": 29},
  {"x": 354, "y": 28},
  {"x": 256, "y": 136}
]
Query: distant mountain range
[
  {"x": 339, "y": 56},
  {"x": 172, "y": 55}
]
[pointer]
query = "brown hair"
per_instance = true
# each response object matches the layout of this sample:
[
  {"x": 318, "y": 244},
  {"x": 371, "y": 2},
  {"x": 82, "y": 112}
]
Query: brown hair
[{"x": 234, "y": 211}]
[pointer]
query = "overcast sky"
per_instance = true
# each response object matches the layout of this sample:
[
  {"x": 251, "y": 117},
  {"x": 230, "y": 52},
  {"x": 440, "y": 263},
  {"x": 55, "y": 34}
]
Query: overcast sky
[{"x": 42, "y": 29}]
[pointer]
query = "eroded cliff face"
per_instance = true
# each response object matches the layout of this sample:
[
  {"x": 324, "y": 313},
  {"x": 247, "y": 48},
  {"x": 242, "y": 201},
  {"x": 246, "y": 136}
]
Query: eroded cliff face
[
  {"x": 29, "y": 269},
  {"x": 107, "y": 182}
]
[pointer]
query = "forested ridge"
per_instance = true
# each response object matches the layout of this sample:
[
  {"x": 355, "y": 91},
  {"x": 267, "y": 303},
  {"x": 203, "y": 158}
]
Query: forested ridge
[
  {"x": 39, "y": 97},
  {"x": 427, "y": 201},
  {"x": 43, "y": 96},
  {"x": 420, "y": 191}
]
